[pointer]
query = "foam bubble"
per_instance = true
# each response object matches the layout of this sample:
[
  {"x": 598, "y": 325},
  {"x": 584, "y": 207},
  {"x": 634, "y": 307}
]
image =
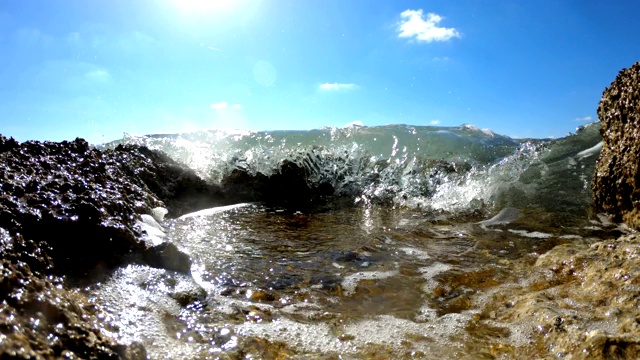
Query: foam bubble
[
  {"x": 532, "y": 234},
  {"x": 389, "y": 330},
  {"x": 159, "y": 213},
  {"x": 150, "y": 221},
  {"x": 429, "y": 272},
  {"x": 350, "y": 283},
  {"x": 136, "y": 301},
  {"x": 154, "y": 233},
  {"x": 570, "y": 236},
  {"x": 417, "y": 253},
  {"x": 380, "y": 330}
]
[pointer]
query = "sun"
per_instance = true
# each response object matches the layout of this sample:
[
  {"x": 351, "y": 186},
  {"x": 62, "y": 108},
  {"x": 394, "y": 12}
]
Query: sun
[{"x": 204, "y": 6}]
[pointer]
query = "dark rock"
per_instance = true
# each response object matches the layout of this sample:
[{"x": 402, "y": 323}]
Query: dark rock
[
  {"x": 135, "y": 351},
  {"x": 74, "y": 199},
  {"x": 178, "y": 186},
  {"x": 328, "y": 281},
  {"x": 189, "y": 296},
  {"x": 168, "y": 256},
  {"x": 83, "y": 203},
  {"x": 616, "y": 184},
  {"x": 289, "y": 186},
  {"x": 350, "y": 257},
  {"x": 7, "y": 144},
  {"x": 18, "y": 250},
  {"x": 68, "y": 209}
]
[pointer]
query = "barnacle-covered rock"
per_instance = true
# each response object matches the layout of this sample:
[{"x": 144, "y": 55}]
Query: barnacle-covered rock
[{"x": 616, "y": 184}]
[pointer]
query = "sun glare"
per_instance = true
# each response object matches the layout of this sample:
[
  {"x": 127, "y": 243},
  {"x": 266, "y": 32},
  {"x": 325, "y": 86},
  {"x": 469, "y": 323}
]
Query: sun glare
[{"x": 204, "y": 6}]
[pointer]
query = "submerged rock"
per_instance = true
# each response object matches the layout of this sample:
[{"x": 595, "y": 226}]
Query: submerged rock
[
  {"x": 616, "y": 185},
  {"x": 168, "y": 256}
]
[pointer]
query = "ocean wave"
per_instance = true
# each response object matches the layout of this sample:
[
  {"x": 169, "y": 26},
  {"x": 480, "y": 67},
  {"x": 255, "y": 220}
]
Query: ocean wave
[{"x": 452, "y": 169}]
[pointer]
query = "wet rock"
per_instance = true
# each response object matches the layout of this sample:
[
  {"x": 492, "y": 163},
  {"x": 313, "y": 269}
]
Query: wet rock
[
  {"x": 70, "y": 198},
  {"x": 289, "y": 186},
  {"x": 189, "y": 296},
  {"x": 283, "y": 281},
  {"x": 262, "y": 296},
  {"x": 178, "y": 186},
  {"x": 83, "y": 203},
  {"x": 579, "y": 302},
  {"x": 39, "y": 319},
  {"x": 330, "y": 282},
  {"x": 361, "y": 259},
  {"x": 168, "y": 256},
  {"x": 69, "y": 210},
  {"x": 616, "y": 185},
  {"x": 135, "y": 351}
]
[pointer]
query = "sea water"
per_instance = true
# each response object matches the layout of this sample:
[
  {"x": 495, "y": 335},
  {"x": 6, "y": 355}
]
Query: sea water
[{"x": 439, "y": 220}]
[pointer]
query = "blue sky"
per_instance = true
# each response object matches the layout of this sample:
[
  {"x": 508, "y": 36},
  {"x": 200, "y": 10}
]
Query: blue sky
[{"x": 97, "y": 69}]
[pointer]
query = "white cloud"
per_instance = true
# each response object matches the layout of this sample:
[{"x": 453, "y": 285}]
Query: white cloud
[
  {"x": 336, "y": 86},
  {"x": 225, "y": 105},
  {"x": 585, "y": 119},
  {"x": 219, "y": 106},
  {"x": 354, "y": 123},
  {"x": 414, "y": 25},
  {"x": 435, "y": 122}
]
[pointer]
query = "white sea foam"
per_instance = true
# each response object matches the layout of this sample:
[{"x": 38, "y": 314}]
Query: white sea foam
[
  {"x": 531, "y": 234},
  {"x": 214, "y": 210},
  {"x": 154, "y": 233},
  {"x": 151, "y": 221},
  {"x": 350, "y": 282},
  {"x": 159, "y": 213},
  {"x": 381, "y": 330},
  {"x": 429, "y": 272},
  {"x": 386, "y": 329},
  {"x": 590, "y": 151},
  {"x": 505, "y": 216},
  {"x": 136, "y": 301},
  {"x": 417, "y": 253},
  {"x": 570, "y": 236}
]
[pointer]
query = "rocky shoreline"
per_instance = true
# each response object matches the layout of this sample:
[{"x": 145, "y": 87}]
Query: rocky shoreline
[
  {"x": 575, "y": 290},
  {"x": 70, "y": 213}
]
